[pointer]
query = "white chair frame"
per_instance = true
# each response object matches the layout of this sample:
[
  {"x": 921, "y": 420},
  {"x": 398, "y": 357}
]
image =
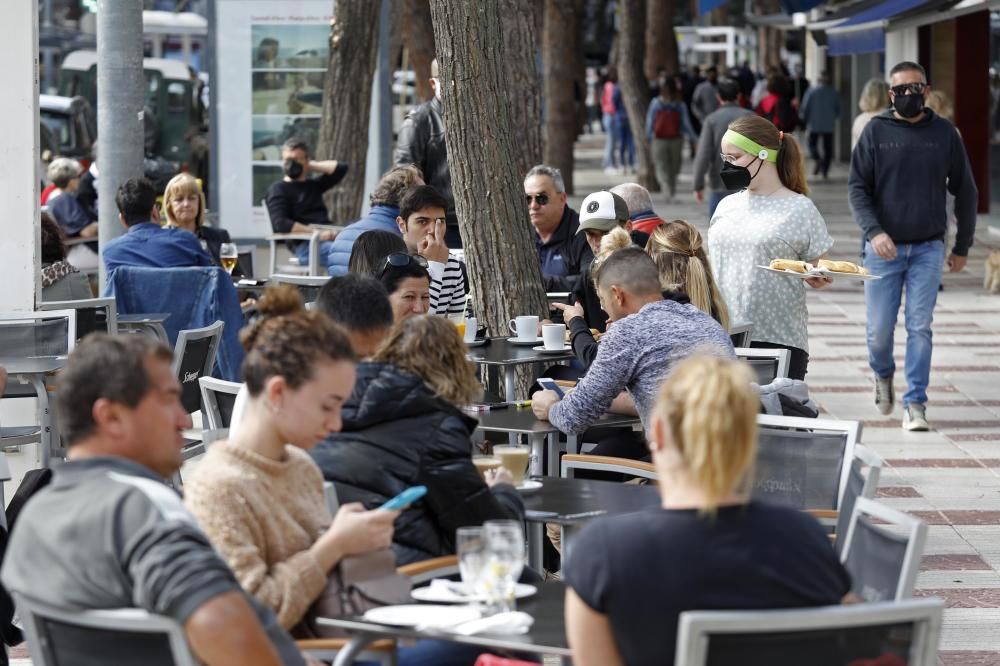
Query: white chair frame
[
  {"x": 109, "y": 304},
  {"x": 68, "y": 314},
  {"x": 782, "y": 356},
  {"x": 743, "y": 330},
  {"x": 210, "y": 387},
  {"x": 313, "y": 268}
]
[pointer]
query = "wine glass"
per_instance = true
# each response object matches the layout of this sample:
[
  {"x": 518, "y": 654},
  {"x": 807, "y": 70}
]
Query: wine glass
[
  {"x": 505, "y": 561},
  {"x": 228, "y": 256},
  {"x": 470, "y": 546}
]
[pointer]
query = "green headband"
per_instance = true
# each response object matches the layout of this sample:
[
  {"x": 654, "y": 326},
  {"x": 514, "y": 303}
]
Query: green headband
[{"x": 750, "y": 146}]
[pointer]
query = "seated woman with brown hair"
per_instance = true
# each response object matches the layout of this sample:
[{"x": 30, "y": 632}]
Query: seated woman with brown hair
[
  {"x": 707, "y": 546},
  {"x": 403, "y": 426},
  {"x": 61, "y": 281}
]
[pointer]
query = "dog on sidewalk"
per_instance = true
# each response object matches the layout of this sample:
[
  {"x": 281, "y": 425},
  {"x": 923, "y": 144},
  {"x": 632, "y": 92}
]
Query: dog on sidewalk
[{"x": 992, "y": 281}]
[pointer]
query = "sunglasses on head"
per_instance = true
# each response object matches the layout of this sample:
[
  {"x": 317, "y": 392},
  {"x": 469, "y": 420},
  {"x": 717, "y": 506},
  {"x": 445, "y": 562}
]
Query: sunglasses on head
[
  {"x": 400, "y": 259},
  {"x": 540, "y": 199},
  {"x": 909, "y": 88}
]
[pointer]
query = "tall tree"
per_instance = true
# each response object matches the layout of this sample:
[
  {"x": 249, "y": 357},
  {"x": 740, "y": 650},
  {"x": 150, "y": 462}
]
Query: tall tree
[
  {"x": 418, "y": 39},
  {"x": 559, "y": 57},
  {"x": 484, "y": 146},
  {"x": 521, "y": 28},
  {"x": 347, "y": 91},
  {"x": 661, "y": 41},
  {"x": 634, "y": 86}
]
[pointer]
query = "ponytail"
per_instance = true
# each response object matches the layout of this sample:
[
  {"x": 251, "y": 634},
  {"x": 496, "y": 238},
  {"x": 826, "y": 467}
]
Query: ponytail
[{"x": 791, "y": 165}]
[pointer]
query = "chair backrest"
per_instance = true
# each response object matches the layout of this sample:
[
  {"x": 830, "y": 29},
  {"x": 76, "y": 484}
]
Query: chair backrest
[
  {"x": 194, "y": 358},
  {"x": 218, "y": 397},
  {"x": 92, "y": 315},
  {"x": 245, "y": 259},
  {"x": 803, "y": 463},
  {"x": 883, "y": 559},
  {"x": 47, "y": 333},
  {"x": 861, "y": 633},
  {"x": 572, "y": 462},
  {"x": 767, "y": 364},
  {"x": 58, "y": 637},
  {"x": 858, "y": 485},
  {"x": 308, "y": 285},
  {"x": 740, "y": 335}
]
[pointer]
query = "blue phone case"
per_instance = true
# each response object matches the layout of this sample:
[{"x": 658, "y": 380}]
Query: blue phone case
[
  {"x": 550, "y": 385},
  {"x": 405, "y": 498}
]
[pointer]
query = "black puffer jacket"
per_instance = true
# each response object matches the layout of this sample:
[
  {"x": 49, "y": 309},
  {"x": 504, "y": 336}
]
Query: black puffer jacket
[
  {"x": 421, "y": 141},
  {"x": 396, "y": 433}
]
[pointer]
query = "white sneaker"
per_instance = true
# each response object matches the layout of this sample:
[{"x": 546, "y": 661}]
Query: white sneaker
[
  {"x": 885, "y": 395},
  {"x": 609, "y": 171},
  {"x": 915, "y": 418}
]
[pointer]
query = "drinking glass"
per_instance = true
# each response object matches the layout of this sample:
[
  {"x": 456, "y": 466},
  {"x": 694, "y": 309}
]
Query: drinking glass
[
  {"x": 228, "y": 256},
  {"x": 504, "y": 563},
  {"x": 470, "y": 546}
]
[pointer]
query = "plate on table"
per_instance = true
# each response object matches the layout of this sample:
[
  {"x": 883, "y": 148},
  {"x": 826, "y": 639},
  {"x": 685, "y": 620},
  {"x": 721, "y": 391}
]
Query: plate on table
[
  {"x": 529, "y": 486},
  {"x": 475, "y": 343},
  {"x": 443, "y": 591},
  {"x": 546, "y": 350},
  {"x": 524, "y": 343},
  {"x": 423, "y": 615}
]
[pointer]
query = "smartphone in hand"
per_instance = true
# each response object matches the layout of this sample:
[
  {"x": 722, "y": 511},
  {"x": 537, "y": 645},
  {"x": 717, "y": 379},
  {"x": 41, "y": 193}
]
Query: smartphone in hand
[
  {"x": 405, "y": 498},
  {"x": 550, "y": 385}
]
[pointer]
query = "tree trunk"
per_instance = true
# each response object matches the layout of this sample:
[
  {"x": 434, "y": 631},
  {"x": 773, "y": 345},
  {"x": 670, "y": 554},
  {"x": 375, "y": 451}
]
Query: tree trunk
[
  {"x": 418, "y": 39},
  {"x": 347, "y": 90},
  {"x": 634, "y": 86},
  {"x": 560, "y": 73},
  {"x": 521, "y": 20},
  {"x": 661, "y": 42},
  {"x": 484, "y": 146}
]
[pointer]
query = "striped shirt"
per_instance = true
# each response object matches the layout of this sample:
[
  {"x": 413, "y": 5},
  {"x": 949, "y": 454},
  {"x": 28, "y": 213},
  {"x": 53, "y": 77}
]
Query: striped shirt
[{"x": 448, "y": 286}]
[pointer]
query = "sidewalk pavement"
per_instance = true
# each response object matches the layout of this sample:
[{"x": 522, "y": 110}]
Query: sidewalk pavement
[{"x": 950, "y": 476}]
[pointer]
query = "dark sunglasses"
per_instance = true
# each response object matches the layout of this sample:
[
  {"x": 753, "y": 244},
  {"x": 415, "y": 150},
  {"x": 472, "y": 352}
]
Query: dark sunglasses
[
  {"x": 400, "y": 259},
  {"x": 909, "y": 89},
  {"x": 540, "y": 199}
]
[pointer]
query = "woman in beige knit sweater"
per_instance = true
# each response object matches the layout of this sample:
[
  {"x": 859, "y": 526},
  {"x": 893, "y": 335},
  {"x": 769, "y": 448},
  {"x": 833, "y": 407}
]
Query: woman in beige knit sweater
[{"x": 259, "y": 496}]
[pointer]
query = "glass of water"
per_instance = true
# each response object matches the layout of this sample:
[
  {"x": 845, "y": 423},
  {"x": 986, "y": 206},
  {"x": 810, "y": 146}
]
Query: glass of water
[
  {"x": 470, "y": 546},
  {"x": 504, "y": 562}
]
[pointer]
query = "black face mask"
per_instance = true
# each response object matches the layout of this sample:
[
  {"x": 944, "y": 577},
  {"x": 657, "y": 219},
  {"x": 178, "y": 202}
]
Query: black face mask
[
  {"x": 736, "y": 177},
  {"x": 292, "y": 169},
  {"x": 908, "y": 106}
]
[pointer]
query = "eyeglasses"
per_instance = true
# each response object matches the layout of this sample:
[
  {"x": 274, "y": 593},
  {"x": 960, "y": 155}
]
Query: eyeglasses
[
  {"x": 400, "y": 259},
  {"x": 728, "y": 158},
  {"x": 540, "y": 199},
  {"x": 909, "y": 89}
]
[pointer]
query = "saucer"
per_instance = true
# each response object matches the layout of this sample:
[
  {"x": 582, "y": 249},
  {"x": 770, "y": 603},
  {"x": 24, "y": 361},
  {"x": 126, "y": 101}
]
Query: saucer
[
  {"x": 523, "y": 343},
  {"x": 546, "y": 350}
]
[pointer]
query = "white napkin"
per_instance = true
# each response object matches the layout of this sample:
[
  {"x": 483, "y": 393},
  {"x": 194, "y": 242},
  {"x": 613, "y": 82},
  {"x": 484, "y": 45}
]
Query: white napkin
[
  {"x": 450, "y": 589},
  {"x": 511, "y": 623}
]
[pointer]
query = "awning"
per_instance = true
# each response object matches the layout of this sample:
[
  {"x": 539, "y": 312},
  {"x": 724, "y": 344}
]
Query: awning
[
  {"x": 794, "y": 6},
  {"x": 705, "y": 6},
  {"x": 865, "y": 31}
]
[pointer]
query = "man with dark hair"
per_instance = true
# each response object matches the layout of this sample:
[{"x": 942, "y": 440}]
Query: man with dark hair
[
  {"x": 422, "y": 222},
  {"x": 296, "y": 201},
  {"x": 649, "y": 336},
  {"x": 562, "y": 252},
  {"x": 134, "y": 544},
  {"x": 904, "y": 165},
  {"x": 146, "y": 243},
  {"x": 707, "y": 159},
  {"x": 382, "y": 216},
  {"x": 360, "y": 304}
]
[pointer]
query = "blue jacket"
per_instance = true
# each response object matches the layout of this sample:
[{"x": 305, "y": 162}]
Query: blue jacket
[
  {"x": 194, "y": 297},
  {"x": 152, "y": 246},
  {"x": 380, "y": 218},
  {"x": 820, "y": 108}
]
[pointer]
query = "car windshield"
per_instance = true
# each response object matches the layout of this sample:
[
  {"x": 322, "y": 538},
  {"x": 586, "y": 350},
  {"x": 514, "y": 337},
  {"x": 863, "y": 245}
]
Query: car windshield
[{"x": 60, "y": 126}]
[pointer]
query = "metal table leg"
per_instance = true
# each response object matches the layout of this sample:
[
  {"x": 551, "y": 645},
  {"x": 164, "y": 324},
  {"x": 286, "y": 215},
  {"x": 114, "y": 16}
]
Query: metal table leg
[
  {"x": 510, "y": 382},
  {"x": 535, "y": 465},
  {"x": 536, "y": 534},
  {"x": 553, "y": 451},
  {"x": 44, "y": 420}
]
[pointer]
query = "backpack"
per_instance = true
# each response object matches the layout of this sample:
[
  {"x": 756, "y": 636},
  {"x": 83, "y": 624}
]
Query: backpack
[{"x": 667, "y": 123}]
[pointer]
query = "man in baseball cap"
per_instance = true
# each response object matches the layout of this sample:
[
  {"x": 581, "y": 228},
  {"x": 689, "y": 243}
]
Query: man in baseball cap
[{"x": 600, "y": 213}]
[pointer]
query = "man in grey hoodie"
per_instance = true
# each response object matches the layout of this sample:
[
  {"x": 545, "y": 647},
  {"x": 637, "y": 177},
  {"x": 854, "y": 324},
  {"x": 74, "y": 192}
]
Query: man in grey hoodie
[
  {"x": 902, "y": 168},
  {"x": 707, "y": 160}
]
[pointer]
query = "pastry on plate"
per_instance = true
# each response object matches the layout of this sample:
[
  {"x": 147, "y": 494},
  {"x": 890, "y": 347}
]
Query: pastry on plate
[
  {"x": 790, "y": 265},
  {"x": 842, "y": 267}
]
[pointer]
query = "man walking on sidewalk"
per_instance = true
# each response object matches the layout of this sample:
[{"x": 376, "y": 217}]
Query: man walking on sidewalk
[
  {"x": 905, "y": 163},
  {"x": 820, "y": 110}
]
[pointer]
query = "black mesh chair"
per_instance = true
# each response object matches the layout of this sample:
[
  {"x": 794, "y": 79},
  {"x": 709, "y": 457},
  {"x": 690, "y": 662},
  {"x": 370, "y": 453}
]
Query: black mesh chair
[
  {"x": 92, "y": 315},
  {"x": 767, "y": 364},
  {"x": 60, "y": 637},
  {"x": 859, "y": 484},
  {"x": 882, "y": 551},
  {"x": 308, "y": 285},
  {"x": 194, "y": 358},
  {"x": 906, "y": 632}
]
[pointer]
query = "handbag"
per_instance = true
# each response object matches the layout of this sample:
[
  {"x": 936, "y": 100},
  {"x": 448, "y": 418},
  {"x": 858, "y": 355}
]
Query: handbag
[{"x": 357, "y": 583}]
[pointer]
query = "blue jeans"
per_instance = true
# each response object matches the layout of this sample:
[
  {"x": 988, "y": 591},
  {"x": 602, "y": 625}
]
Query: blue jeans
[
  {"x": 626, "y": 144},
  {"x": 714, "y": 198},
  {"x": 325, "y": 254},
  {"x": 611, "y": 140},
  {"x": 917, "y": 267}
]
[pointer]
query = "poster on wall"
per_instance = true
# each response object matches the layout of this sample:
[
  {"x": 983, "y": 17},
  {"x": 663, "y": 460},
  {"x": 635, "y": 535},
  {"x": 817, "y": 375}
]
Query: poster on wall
[{"x": 271, "y": 60}]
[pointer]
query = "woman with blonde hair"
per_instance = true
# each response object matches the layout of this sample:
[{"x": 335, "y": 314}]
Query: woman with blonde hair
[
  {"x": 874, "y": 100},
  {"x": 403, "y": 426},
  {"x": 679, "y": 253},
  {"x": 770, "y": 218},
  {"x": 707, "y": 546},
  {"x": 184, "y": 208}
]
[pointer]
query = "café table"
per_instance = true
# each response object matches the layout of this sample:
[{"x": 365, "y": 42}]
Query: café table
[
  {"x": 522, "y": 421},
  {"x": 500, "y": 353},
  {"x": 34, "y": 371},
  {"x": 152, "y": 322},
  {"x": 546, "y": 637},
  {"x": 571, "y": 503}
]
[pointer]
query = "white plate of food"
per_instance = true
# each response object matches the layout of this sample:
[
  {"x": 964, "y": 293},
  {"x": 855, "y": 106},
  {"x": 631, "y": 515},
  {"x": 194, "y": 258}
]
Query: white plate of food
[
  {"x": 825, "y": 268},
  {"x": 423, "y": 615},
  {"x": 441, "y": 591}
]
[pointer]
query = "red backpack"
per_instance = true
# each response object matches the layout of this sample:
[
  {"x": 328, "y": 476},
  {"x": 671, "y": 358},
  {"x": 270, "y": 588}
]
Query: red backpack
[{"x": 667, "y": 123}]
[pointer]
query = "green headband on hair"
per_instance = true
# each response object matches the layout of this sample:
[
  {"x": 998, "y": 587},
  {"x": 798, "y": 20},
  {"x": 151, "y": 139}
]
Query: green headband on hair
[{"x": 751, "y": 146}]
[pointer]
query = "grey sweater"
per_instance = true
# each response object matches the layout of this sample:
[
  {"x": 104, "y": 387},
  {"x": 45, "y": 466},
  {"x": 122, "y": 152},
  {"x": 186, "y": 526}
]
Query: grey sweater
[
  {"x": 636, "y": 354},
  {"x": 707, "y": 160}
]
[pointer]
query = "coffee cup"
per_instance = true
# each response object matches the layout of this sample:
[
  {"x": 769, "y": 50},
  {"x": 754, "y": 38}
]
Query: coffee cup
[
  {"x": 471, "y": 326},
  {"x": 525, "y": 327},
  {"x": 485, "y": 463},
  {"x": 554, "y": 336},
  {"x": 515, "y": 459}
]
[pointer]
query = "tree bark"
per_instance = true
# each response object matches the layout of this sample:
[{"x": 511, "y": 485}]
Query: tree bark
[
  {"x": 484, "y": 146},
  {"x": 521, "y": 21},
  {"x": 347, "y": 90},
  {"x": 634, "y": 86},
  {"x": 560, "y": 72},
  {"x": 418, "y": 39},
  {"x": 661, "y": 42}
]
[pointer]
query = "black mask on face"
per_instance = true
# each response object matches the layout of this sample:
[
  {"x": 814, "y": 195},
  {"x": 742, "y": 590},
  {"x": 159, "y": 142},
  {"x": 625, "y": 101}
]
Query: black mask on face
[
  {"x": 292, "y": 169},
  {"x": 908, "y": 106},
  {"x": 736, "y": 177}
]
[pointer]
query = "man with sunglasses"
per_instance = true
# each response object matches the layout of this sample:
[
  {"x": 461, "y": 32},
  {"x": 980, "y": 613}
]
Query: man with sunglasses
[
  {"x": 902, "y": 168},
  {"x": 562, "y": 252}
]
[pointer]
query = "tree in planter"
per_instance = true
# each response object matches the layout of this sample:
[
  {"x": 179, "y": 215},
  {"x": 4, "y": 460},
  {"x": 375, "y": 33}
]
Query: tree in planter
[
  {"x": 484, "y": 145},
  {"x": 634, "y": 86},
  {"x": 347, "y": 90},
  {"x": 559, "y": 57}
]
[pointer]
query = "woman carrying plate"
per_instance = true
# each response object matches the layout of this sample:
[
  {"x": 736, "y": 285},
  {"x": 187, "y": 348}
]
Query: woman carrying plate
[{"x": 769, "y": 218}]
